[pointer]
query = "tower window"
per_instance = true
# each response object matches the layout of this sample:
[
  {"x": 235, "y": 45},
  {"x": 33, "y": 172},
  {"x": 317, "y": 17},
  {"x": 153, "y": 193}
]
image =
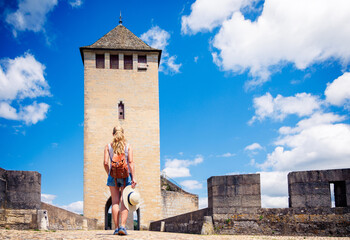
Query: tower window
[
  {"x": 142, "y": 62},
  {"x": 100, "y": 61},
  {"x": 142, "y": 59},
  {"x": 127, "y": 61},
  {"x": 121, "y": 110},
  {"x": 114, "y": 61}
]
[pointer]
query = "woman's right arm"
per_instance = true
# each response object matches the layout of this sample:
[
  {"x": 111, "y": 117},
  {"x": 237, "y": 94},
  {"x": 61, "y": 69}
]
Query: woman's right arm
[{"x": 106, "y": 158}]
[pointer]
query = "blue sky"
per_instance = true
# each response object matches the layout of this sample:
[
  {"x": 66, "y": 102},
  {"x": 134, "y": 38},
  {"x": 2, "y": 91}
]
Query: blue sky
[{"x": 244, "y": 86}]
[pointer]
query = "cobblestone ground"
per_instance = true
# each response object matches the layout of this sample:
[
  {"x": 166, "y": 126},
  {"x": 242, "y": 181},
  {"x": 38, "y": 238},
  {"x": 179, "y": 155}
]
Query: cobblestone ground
[{"x": 30, "y": 234}]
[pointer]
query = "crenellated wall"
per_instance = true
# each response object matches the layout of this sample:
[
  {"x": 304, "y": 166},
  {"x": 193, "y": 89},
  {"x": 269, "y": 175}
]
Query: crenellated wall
[{"x": 235, "y": 208}]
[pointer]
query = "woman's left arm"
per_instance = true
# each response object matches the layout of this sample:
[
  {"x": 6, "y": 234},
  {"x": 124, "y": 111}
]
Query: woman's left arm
[{"x": 132, "y": 167}]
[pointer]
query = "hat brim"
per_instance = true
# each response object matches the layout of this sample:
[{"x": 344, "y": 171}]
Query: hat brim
[{"x": 126, "y": 192}]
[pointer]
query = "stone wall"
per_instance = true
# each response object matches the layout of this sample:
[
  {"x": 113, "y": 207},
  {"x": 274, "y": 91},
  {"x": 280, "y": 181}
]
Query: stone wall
[
  {"x": 20, "y": 219},
  {"x": 20, "y": 189},
  {"x": 191, "y": 222},
  {"x": 175, "y": 200},
  {"x": 312, "y": 188},
  {"x": 286, "y": 221},
  {"x": 61, "y": 219},
  {"x": 233, "y": 191},
  {"x": 234, "y": 205}
]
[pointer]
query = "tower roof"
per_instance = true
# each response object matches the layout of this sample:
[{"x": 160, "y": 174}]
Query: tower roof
[{"x": 120, "y": 38}]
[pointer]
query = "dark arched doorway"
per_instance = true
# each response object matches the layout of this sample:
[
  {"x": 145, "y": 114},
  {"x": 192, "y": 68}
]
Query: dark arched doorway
[
  {"x": 108, "y": 214},
  {"x": 133, "y": 219}
]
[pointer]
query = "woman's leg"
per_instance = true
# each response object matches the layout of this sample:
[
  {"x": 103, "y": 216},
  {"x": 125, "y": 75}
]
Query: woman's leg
[
  {"x": 115, "y": 194},
  {"x": 124, "y": 211}
]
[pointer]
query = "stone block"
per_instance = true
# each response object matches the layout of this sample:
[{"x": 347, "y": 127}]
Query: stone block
[
  {"x": 251, "y": 179},
  {"x": 218, "y": 180},
  {"x": 309, "y": 188},
  {"x": 297, "y": 201},
  {"x": 234, "y": 180},
  {"x": 251, "y": 201},
  {"x": 318, "y": 201},
  {"x": 219, "y": 190},
  {"x": 251, "y": 189}
]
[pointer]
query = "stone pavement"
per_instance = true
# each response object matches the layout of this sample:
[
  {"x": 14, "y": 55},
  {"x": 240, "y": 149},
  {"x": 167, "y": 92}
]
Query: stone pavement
[{"x": 62, "y": 235}]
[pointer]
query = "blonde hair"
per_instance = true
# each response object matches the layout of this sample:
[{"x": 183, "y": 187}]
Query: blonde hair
[{"x": 119, "y": 140}]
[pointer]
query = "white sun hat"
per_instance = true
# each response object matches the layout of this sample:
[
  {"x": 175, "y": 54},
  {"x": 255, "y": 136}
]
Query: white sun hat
[{"x": 131, "y": 198}]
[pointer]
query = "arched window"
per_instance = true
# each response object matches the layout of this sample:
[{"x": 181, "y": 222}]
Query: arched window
[{"x": 121, "y": 110}]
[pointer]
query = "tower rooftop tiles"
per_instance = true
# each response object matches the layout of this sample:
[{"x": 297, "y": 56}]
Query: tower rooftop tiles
[{"x": 120, "y": 38}]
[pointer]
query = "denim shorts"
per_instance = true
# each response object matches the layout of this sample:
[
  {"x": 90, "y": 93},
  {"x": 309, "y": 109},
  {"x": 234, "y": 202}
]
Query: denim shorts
[{"x": 120, "y": 181}]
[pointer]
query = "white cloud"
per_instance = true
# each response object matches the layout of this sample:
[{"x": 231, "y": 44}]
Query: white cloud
[
  {"x": 191, "y": 184},
  {"x": 76, "y": 3},
  {"x": 227, "y": 155},
  {"x": 31, "y": 114},
  {"x": 175, "y": 168},
  {"x": 159, "y": 38},
  {"x": 30, "y": 15},
  {"x": 274, "y": 202},
  {"x": 48, "y": 198},
  {"x": 338, "y": 92},
  {"x": 202, "y": 202},
  {"x": 302, "y": 104},
  {"x": 317, "y": 118},
  {"x": 253, "y": 146},
  {"x": 321, "y": 146},
  {"x": 8, "y": 112},
  {"x": 206, "y": 14},
  {"x": 195, "y": 59},
  {"x": 292, "y": 31},
  {"x": 20, "y": 78},
  {"x": 76, "y": 207}
]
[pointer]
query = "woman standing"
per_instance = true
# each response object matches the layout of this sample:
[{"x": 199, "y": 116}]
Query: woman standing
[{"x": 119, "y": 146}]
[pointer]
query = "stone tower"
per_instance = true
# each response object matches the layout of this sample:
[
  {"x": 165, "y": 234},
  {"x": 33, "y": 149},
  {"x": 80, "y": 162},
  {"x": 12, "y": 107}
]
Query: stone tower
[{"x": 121, "y": 86}]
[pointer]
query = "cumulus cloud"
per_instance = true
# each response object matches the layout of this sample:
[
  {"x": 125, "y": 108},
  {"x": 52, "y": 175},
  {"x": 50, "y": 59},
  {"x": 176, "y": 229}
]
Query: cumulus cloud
[
  {"x": 191, "y": 184},
  {"x": 321, "y": 146},
  {"x": 253, "y": 146},
  {"x": 206, "y": 14},
  {"x": 302, "y": 104},
  {"x": 159, "y": 38},
  {"x": 294, "y": 32},
  {"x": 175, "y": 168},
  {"x": 227, "y": 155},
  {"x": 21, "y": 78},
  {"x": 76, "y": 3},
  {"x": 48, "y": 198},
  {"x": 338, "y": 92},
  {"x": 30, "y": 15},
  {"x": 202, "y": 202},
  {"x": 76, "y": 207}
]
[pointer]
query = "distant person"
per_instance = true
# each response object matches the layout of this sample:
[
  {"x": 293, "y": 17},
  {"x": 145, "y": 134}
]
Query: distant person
[{"x": 116, "y": 155}]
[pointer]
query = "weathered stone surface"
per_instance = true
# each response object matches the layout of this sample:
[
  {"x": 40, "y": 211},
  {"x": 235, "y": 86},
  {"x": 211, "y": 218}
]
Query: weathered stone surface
[
  {"x": 23, "y": 189},
  {"x": 61, "y": 219},
  {"x": 185, "y": 223}
]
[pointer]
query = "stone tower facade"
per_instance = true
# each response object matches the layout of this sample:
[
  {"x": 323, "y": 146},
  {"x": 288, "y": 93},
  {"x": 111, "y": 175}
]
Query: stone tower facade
[{"x": 121, "y": 86}]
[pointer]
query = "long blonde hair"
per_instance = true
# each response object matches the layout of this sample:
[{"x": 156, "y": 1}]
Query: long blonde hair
[{"x": 119, "y": 140}]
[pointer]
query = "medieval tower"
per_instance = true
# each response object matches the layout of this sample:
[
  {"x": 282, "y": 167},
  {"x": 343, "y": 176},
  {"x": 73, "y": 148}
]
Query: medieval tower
[{"x": 121, "y": 87}]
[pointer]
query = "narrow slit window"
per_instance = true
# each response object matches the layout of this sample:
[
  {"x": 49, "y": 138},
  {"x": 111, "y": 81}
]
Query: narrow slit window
[
  {"x": 128, "y": 62},
  {"x": 114, "y": 61},
  {"x": 339, "y": 193},
  {"x": 100, "y": 61},
  {"x": 121, "y": 110},
  {"x": 331, "y": 187}
]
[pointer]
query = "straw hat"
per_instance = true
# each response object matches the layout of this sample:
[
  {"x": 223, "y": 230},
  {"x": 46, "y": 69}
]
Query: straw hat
[{"x": 131, "y": 198}]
